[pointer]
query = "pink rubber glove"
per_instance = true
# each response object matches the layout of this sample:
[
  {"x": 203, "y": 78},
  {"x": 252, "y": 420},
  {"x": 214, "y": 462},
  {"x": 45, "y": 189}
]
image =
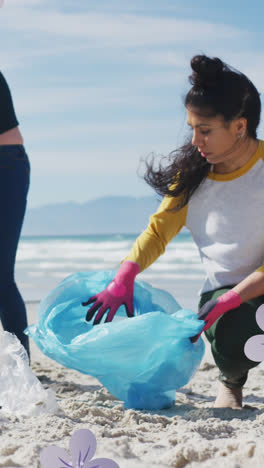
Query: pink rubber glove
[
  {"x": 213, "y": 309},
  {"x": 119, "y": 292}
]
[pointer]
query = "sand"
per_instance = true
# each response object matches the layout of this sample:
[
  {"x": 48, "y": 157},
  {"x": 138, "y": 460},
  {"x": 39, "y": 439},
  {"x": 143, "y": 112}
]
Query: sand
[{"x": 191, "y": 434}]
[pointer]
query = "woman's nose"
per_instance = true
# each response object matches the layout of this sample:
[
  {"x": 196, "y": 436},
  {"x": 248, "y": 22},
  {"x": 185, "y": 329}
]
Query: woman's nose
[{"x": 196, "y": 139}]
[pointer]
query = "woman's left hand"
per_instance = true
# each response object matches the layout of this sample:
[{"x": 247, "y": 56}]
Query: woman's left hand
[{"x": 213, "y": 309}]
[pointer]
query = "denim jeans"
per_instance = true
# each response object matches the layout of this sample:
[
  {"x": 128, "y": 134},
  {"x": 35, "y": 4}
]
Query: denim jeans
[{"x": 14, "y": 184}]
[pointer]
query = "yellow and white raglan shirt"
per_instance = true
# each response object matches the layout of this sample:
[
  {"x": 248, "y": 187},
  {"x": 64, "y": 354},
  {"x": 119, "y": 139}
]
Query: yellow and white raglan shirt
[{"x": 225, "y": 216}]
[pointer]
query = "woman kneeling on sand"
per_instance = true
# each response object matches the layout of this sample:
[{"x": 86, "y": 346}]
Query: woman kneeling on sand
[{"x": 213, "y": 185}]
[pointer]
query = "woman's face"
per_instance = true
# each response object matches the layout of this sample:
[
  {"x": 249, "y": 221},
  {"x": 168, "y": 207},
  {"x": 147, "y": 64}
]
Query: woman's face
[{"x": 216, "y": 140}]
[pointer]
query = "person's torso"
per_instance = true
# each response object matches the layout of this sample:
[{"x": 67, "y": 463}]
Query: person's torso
[
  {"x": 226, "y": 218},
  {"x": 9, "y": 132}
]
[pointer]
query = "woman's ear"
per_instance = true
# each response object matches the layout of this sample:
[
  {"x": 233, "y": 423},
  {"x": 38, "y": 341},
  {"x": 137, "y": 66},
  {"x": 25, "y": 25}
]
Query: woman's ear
[{"x": 241, "y": 127}]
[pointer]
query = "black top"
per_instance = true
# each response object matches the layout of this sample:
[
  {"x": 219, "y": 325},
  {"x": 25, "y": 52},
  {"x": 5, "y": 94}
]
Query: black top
[{"x": 8, "y": 118}]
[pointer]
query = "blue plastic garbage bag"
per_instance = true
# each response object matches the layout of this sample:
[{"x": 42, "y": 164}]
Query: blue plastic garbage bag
[{"x": 140, "y": 360}]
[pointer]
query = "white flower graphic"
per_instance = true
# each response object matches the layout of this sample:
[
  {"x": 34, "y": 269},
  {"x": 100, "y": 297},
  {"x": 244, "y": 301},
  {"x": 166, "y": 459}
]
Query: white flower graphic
[
  {"x": 82, "y": 448},
  {"x": 254, "y": 347}
]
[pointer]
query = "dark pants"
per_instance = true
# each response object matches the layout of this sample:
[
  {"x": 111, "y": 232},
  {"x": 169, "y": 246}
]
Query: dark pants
[
  {"x": 228, "y": 336},
  {"x": 14, "y": 184}
]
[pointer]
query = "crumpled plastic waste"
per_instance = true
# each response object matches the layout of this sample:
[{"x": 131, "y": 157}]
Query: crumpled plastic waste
[
  {"x": 141, "y": 360},
  {"x": 21, "y": 393}
]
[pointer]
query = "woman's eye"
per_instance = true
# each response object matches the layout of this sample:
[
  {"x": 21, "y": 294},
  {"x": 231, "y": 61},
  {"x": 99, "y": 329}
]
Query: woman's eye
[{"x": 205, "y": 132}]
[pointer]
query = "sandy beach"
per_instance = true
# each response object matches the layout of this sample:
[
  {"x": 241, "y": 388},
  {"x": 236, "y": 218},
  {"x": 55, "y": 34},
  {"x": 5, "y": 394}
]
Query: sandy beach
[{"x": 191, "y": 434}]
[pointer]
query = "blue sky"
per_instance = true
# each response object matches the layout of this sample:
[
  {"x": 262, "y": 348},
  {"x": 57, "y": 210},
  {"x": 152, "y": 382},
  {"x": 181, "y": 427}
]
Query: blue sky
[{"x": 98, "y": 85}]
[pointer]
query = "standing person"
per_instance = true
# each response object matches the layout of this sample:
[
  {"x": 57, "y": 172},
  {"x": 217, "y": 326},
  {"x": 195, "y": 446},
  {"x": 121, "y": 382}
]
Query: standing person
[
  {"x": 14, "y": 184},
  {"x": 213, "y": 185}
]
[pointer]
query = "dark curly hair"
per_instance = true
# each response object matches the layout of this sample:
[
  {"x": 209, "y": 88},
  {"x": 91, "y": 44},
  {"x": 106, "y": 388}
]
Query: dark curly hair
[{"x": 217, "y": 89}]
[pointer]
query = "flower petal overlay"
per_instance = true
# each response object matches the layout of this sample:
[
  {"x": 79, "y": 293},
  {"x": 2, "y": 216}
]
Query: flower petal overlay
[
  {"x": 55, "y": 457},
  {"x": 254, "y": 347},
  {"x": 101, "y": 463},
  {"x": 1, "y": 3},
  {"x": 82, "y": 447},
  {"x": 260, "y": 317}
]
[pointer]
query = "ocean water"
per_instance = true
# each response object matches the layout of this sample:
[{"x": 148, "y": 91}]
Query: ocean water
[{"x": 43, "y": 262}]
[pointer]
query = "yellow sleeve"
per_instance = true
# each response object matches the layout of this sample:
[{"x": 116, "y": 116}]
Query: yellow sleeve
[{"x": 163, "y": 226}]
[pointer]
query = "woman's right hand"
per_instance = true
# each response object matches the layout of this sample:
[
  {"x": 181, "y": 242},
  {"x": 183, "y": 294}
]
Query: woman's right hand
[{"x": 119, "y": 292}]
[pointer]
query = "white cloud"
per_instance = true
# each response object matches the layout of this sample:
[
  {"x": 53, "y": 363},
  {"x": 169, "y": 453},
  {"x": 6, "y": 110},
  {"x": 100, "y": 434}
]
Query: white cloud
[
  {"x": 58, "y": 100},
  {"x": 94, "y": 162},
  {"x": 17, "y": 57},
  {"x": 106, "y": 30},
  {"x": 102, "y": 128},
  {"x": 18, "y": 3},
  {"x": 168, "y": 57}
]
